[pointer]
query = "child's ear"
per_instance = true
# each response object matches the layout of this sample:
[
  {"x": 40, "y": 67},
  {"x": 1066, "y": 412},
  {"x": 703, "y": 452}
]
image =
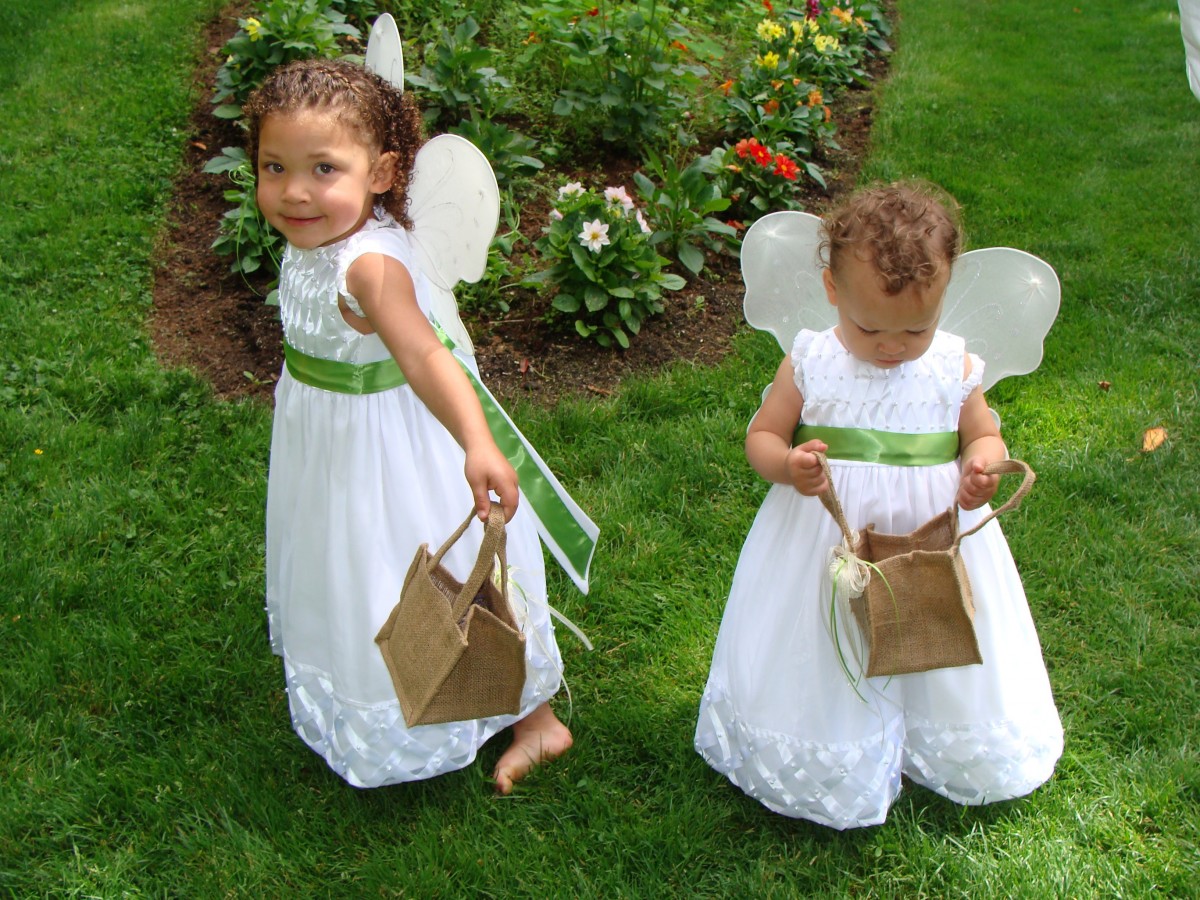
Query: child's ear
[
  {"x": 384, "y": 175},
  {"x": 830, "y": 286}
]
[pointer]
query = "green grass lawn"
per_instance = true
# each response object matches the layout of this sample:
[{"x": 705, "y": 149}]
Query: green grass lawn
[{"x": 145, "y": 747}]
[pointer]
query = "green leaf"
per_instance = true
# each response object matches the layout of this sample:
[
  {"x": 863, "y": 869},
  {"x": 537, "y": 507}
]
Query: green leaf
[{"x": 692, "y": 258}]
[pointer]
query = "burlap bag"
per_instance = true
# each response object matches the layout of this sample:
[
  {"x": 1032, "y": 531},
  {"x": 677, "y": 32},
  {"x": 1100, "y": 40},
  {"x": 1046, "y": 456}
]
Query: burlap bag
[
  {"x": 454, "y": 650},
  {"x": 916, "y": 612}
]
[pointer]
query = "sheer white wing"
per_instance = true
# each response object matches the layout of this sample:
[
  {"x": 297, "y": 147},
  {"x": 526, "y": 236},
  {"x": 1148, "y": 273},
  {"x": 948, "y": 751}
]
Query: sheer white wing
[
  {"x": 454, "y": 204},
  {"x": 1002, "y": 302},
  {"x": 385, "y": 54},
  {"x": 782, "y": 272}
]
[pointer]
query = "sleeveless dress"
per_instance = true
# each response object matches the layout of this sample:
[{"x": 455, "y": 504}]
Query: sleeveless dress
[
  {"x": 357, "y": 483},
  {"x": 779, "y": 717}
]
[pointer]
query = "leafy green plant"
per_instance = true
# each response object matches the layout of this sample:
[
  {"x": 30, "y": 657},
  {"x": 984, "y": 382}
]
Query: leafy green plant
[
  {"x": 245, "y": 234},
  {"x": 282, "y": 31},
  {"x": 756, "y": 178},
  {"x": 608, "y": 274},
  {"x": 457, "y": 79},
  {"x": 626, "y": 64},
  {"x": 681, "y": 202},
  {"x": 509, "y": 151},
  {"x": 782, "y": 109}
]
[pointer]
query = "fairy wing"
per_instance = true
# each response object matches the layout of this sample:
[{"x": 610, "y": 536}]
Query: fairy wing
[
  {"x": 1002, "y": 302},
  {"x": 782, "y": 271},
  {"x": 454, "y": 204},
  {"x": 453, "y": 199},
  {"x": 385, "y": 54}
]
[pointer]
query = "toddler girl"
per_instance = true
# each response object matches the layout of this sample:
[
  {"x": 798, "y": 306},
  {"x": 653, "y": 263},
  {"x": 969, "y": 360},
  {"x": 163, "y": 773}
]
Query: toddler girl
[
  {"x": 375, "y": 425},
  {"x": 779, "y": 717}
]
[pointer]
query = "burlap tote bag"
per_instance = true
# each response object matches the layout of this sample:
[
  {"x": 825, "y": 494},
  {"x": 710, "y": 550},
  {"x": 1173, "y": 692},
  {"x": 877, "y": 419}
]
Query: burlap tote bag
[
  {"x": 916, "y": 611},
  {"x": 454, "y": 650}
]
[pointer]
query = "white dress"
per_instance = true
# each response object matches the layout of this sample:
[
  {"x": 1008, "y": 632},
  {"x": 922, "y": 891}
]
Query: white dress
[
  {"x": 778, "y": 716},
  {"x": 356, "y": 484}
]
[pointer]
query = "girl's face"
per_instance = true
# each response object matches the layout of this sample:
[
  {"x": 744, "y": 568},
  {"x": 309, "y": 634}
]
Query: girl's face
[
  {"x": 316, "y": 182},
  {"x": 878, "y": 328}
]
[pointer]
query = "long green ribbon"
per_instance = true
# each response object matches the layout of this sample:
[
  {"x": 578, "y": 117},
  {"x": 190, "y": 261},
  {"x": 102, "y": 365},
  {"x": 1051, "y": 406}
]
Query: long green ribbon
[
  {"x": 887, "y": 447},
  {"x": 567, "y": 531}
]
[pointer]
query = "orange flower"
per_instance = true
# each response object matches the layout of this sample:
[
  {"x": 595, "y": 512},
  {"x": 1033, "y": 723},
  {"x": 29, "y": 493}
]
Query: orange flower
[
  {"x": 771, "y": 107},
  {"x": 532, "y": 39},
  {"x": 776, "y": 85},
  {"x": 827, "y": 113},
  {"x": 815, "y": 98},
  {"x": 725, "y": 88},
  {"x": 680, "y": 45}
]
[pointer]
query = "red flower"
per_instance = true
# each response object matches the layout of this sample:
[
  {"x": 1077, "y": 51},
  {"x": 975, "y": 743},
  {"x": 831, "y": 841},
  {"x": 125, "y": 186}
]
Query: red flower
[
  {"x": 786, "y": 168},
  {"x": 594, "y": 11},
  {"x": 759, "y": 153},
  {"x": 679, "y": 45},
  {"x": 769, "y": 7},
  {"x": 771, "y": 107}
]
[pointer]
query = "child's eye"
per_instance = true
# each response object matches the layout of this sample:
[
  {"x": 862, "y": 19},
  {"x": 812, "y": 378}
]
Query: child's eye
[
  {"x": 868, "y": 330},
  {"x": 274, "y": 168},
  {"x": 919, "y": 332},
  {"x": 324, "y": 168}
]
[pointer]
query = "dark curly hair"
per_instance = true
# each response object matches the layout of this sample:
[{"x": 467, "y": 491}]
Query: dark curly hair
[
  {"x": 387, "y": 118},
  {"x": 909, "y": 231}
]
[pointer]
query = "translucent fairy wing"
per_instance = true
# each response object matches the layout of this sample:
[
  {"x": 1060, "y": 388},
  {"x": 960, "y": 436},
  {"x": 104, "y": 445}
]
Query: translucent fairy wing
[
  {"x": 1002, "y": 302},
  {"x": 782, "y": 271},
  {"x": 385, "y": 54},
  {"x": 454, "y": 205}
]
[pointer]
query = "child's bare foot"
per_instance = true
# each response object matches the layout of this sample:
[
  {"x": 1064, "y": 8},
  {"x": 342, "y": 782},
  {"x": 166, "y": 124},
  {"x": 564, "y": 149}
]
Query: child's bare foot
[{"x": 537, "y": 738}]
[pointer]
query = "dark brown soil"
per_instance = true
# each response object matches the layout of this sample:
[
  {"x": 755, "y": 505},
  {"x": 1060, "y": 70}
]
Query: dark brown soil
[{"x": 215, "y": 322}]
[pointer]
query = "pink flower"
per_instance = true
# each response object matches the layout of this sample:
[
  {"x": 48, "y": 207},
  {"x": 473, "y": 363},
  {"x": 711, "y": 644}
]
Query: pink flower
[{"x": 615, "y": 195}]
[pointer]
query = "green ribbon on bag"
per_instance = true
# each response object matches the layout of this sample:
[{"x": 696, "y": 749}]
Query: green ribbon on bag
[
  {"x": 887, "y": 447},
  {"x": 564, "y": 527}
]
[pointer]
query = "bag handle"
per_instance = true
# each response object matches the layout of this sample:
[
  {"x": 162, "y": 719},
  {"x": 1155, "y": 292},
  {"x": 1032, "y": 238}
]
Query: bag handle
[
  {"x": 495, "y": 541},
  {"x": 1003, "y": 467},
  {"x": 831, "y": 501}
]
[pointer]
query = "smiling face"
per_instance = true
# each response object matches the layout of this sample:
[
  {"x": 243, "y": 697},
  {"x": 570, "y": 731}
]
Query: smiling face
[
  {"x": 316, "y": 182},
  {"x": 880, "y": 328}
]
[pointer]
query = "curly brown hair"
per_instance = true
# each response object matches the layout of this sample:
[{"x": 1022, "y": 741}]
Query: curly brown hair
[
  {"x": 908, "y": 230},
  {"x": 387, "y": 119}
]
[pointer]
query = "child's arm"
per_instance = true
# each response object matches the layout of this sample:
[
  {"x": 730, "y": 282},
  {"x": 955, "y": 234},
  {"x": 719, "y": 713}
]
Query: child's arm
[
  {"x": 768, "y": 442},
  {"x": 384, "y": 290},
  {"x": 979, "y": 445}
]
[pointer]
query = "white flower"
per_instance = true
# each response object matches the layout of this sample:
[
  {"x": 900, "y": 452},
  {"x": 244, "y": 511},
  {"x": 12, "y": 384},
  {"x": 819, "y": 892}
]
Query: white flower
[
  {"x": 572, "y": 189},
  {"x": 594, "y": 235},
  {"x": 615, "y": 195},
  {"x": 642, "y": 223},
  {"x": 556, "y": 215}
]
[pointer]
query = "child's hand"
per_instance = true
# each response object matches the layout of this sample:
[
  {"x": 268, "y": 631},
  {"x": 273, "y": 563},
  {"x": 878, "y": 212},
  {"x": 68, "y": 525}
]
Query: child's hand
[
  {"x": 975, "y": 488},
  {"x": 804, "y": 470},
  {"x": 487, "y": 470}
]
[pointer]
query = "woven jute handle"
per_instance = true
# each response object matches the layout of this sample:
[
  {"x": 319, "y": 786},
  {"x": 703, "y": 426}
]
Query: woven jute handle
[
  {"x": 1003, "y": 467},
  {"x": 831, "y": 501},
  {"x": 494, "y": 545}
]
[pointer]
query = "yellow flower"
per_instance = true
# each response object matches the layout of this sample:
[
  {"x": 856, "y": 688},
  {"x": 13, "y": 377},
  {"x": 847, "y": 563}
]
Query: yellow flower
[
  {"x": 253, "y": 26},
  {"x": 769, "y": 30},
  {"x": 842, "y": 15},
  {"x": 768, "y": 60},
  {"x": 797, "y": 32},
  {"x": 825, "y": 44},
  {"x": 37, "y": 452}
]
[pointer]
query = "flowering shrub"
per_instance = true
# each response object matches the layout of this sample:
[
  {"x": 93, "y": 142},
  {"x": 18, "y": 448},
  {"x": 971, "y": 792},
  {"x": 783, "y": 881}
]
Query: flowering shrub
[
  {"x": 756, "y": 178},
  {"x": 625, "y": 64},
  {"x": 608, "y": 274}
]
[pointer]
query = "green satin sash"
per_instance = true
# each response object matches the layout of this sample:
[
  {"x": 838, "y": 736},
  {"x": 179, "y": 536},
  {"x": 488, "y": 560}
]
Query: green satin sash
[
  {"x": 568, "y": 532},
  {"x": 887, "y": 447}
]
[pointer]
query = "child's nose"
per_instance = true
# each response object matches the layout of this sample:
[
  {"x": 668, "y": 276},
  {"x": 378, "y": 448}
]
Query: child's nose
[
  {"x": 891, "y": 345},
  {"x": 294, "y": 189}
]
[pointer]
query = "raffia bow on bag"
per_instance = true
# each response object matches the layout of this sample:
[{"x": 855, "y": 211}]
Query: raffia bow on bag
[
  {"x": 454, "y": 650},
  {"x": 910, "y": 593}
]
